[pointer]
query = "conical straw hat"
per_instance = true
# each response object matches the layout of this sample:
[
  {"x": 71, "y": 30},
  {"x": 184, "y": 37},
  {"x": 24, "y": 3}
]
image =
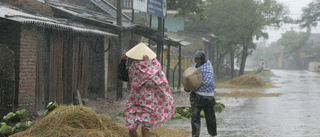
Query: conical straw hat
[
  {"x": 192, "y": 78},
  {"x": 139, "y": 50}
]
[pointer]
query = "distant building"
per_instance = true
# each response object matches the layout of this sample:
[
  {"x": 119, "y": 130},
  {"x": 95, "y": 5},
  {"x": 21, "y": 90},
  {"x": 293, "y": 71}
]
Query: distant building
[{"x": 314, "y": 66}]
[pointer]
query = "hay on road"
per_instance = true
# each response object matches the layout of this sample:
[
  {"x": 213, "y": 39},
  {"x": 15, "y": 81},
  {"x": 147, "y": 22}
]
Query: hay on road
[
  {"x": 243, "y": 82},
  {"x": 247, "y": 94},
  {"x": 79, "y": 121}
]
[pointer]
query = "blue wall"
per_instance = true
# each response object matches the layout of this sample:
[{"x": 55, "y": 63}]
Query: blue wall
[{"x": 171, "y": 23}]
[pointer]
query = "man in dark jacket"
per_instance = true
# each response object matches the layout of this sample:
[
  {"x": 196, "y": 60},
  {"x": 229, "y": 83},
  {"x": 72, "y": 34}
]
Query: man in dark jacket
[{"x": 203, "y": 97}]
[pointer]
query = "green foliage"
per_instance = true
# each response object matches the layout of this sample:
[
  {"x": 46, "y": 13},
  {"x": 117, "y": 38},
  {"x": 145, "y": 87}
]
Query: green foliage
[
  {"x": 5, "y": 130},
  {"x": 178, "y": 116},
  {"x": 310, "y": 15},
  {"x": 186, "y": 7},
  {"x": 22, "y": 126},
  {"x": 293, "y": 41},
  {"x": 14, "y": 122},
  {"x": 239, "y": 20},
  {"x": 15, "y": 117},
  {"x": 51, "y": 106},
  {"x": 22, "y": 114},
  {"x": 186, "y": 112},
  {"x": 236, "y": 23},
  {"x": 219, "y": 107},
  {"x": 8, "y": 117}
]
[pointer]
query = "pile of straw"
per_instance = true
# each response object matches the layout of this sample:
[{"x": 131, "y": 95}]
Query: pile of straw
[
  {"x": 77, "y": 121},
  {"x": 245, "y": 81}
]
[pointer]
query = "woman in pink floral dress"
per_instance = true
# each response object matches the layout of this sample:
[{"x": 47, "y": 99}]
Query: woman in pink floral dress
[{"x": 150, "y": 103}]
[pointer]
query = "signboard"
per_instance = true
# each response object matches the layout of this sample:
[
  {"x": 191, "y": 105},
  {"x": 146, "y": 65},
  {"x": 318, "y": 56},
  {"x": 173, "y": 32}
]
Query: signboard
[
  {"x": 155, "y": 7},
  {"x": 303, "y": 55}
]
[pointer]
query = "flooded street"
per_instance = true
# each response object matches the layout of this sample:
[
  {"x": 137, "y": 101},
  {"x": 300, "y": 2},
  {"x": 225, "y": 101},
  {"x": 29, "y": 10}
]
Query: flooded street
[{"x": 295, "y": 113}]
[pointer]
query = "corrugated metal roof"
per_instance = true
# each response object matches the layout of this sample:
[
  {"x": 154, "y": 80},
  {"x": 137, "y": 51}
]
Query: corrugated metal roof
[
  {"x": 25, "y": 18},
  {"x": 110, "y": 9},
  {"x": 178, "y": 41}
]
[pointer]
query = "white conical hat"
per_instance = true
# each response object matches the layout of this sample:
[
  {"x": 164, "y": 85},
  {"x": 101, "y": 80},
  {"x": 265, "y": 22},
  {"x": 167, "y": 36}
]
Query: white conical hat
[
  {"x": 192, "y": 78},
  {"x": 139, "y": 50}
]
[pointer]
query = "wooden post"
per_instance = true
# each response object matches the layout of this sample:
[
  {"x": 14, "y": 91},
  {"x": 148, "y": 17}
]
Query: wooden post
[
  {"x": 119, "y": 12},
  {"x": 119, "y": 22},
  {"x": 150, "y": 26},
  {"x": 179, "y": 76},
  {"x": 162, "y": 37},
  {"x": 159, "y": 43},
  {"x": 168, "y": 62},
  {"x": 132, "y": 14}
]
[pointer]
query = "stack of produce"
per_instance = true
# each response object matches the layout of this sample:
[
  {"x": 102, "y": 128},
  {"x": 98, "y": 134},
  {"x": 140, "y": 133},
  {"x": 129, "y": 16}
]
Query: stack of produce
[{"x": 14, "y": 123}]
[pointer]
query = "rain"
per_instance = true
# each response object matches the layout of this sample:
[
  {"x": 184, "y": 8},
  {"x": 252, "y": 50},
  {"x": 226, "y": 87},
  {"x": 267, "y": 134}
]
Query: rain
[{"x": 68, "y": 52}]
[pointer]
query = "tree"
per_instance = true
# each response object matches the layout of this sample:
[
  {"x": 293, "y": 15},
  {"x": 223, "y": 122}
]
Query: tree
[
  {"x": 186, "y": 7},
  {"x": 310, "y": 15},
  {"x": 294, "y": 43},
  {"x": 269, "y": 52},
  {"x": 237, "y": 23}
]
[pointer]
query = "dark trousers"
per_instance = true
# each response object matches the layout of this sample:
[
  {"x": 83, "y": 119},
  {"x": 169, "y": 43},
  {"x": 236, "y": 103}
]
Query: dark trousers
[{"x": 206, "y": 103}]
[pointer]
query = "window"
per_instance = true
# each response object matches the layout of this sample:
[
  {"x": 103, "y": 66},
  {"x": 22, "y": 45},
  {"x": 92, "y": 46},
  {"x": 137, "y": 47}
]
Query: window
[{"x": 127, "y": 3}]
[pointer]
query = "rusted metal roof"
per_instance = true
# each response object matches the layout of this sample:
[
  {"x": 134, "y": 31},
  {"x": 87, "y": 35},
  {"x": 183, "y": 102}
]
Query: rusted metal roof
[{"x": 25, "y": 18}]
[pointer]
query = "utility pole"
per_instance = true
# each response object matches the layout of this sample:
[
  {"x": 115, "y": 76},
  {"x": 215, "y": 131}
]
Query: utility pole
[
  {"x": 119, "y": 23},
  {"x": 159, "y": 43},
  {"x": 150, "y": 26},
  {"x": 132, "y": 13},
  {"x": 119, "y": 12}
]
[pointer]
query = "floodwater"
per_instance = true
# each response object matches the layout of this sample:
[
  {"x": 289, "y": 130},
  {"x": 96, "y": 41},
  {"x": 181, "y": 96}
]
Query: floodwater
[{"x": 296, "y": 113}]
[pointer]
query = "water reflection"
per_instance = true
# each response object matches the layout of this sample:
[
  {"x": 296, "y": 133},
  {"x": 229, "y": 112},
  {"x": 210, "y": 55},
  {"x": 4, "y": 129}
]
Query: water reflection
[{"x": 297, "y": 111}]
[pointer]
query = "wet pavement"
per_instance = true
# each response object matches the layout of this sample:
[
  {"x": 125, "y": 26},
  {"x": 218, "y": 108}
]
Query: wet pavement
[{"x": 296, "y": 113}]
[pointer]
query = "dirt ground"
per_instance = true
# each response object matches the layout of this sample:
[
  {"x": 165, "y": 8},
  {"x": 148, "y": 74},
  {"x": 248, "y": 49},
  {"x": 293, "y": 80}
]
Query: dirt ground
[{"x": 113, "y": 108}]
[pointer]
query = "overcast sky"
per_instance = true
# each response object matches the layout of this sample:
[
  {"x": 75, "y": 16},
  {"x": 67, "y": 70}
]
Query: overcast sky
[{"x": 295, "y": 7}]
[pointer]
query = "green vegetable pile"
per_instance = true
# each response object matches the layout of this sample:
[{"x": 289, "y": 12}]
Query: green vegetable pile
[
  {"x": 14, "y": 122},
  {"x": 185, "y": 112},
  {"x": 219, "y": 107},
  {"x": 51, "y": 106},
  {"x": 182, "y": 113}
]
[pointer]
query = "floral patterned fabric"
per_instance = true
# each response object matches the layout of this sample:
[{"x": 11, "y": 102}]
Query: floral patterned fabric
[{"x": 150, "y": 101}]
